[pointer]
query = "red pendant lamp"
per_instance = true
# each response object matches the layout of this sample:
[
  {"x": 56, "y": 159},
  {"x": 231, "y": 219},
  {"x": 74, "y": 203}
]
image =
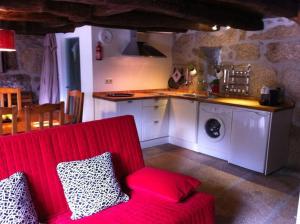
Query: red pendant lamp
[{"x": 7, "y": 40}]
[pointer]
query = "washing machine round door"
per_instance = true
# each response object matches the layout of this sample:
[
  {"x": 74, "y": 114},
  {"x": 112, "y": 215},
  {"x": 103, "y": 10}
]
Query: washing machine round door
[{"x": 214, "y": 128}]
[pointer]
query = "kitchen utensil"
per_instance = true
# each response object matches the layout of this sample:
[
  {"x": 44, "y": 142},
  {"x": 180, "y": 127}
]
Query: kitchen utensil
[
  {"x": 176, "y": 75},
  {"x": 172, "y": 84}
]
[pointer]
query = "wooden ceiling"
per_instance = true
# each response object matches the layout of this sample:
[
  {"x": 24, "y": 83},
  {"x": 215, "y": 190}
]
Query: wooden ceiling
[{"x": 51, "y": 16}]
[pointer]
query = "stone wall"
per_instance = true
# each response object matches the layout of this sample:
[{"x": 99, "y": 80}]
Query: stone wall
[
  {"x": 23, "y": 67},
  {"x": 274, "y": 54}
]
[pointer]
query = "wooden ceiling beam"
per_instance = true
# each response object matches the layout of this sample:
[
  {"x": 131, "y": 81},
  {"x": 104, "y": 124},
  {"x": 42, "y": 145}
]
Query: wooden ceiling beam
[
  {"x": 109, "y": 10},
  {"x": 225, "y": 15},
  {"x": 140, "y": 21},
  {"x": 196, "y": 11},
  {"x": 33, "y": 28},
  {"x": 285, "y": 8},
  {"x": 101, "y": 7},
  {"x": 141, "y": 29},
  {"x": 52, "y": 15},
  {"x": 33, "y": 17},
  {"x": 22, "y": 6},
  {"x": 75, "y": 12}
]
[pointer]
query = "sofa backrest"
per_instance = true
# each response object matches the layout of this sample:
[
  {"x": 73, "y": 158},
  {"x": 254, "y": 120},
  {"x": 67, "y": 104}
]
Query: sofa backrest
[{"x": 37, "y": 154}]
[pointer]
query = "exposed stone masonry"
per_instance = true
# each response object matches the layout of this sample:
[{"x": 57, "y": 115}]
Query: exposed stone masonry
[
  {"x": 281, "y": 52},
  {"x": 244, "y": 52},
  {"x": 274, "y": 54},
  {"x": 23, "y": 67}
]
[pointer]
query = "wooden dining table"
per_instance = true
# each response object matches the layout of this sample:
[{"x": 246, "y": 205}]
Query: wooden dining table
[{"x": 7, "y": 127}]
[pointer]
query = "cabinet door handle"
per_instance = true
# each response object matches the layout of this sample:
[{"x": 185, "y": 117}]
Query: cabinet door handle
[
  {"x": 214, "y": 111},
  {"x": 156, "y": 107},
  {"x": 264, "y": 114},
  {"x": 261, "y": 114},
  {"x": 155, "y": 122},
  {"x": 129, "y": 101}
]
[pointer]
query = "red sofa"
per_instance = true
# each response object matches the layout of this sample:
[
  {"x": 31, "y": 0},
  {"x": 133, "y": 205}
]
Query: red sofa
[{"x": 37, "y": 154}]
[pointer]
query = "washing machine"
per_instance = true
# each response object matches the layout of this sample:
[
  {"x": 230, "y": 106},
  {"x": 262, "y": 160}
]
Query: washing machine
[{"x": 214, "y": 130}]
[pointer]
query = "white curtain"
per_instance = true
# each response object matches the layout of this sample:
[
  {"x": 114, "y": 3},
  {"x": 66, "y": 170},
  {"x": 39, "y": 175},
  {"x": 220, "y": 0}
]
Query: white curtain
[{"x": 49, "y": 86}]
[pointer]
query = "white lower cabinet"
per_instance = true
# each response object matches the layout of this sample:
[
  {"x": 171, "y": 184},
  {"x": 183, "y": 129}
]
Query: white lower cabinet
[
  {"x": 253, "y": 139},
  {"x": 184, "y": 119},
  {"x": 259, "y": 139},
  {"x": 249, "y": 139},
  {"x": 151, "y": 115},
  {"x": 107, "y": 109},
  {"x": 155, "y": 119}
]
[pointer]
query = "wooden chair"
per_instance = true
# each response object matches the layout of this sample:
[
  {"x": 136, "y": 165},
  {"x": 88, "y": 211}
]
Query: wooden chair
[
  {"x": 14, "y": 112},
  {"x": 42, "y": 111},
  {"x": 8, "y": 92},
  {"x": 75, "y": 105}
]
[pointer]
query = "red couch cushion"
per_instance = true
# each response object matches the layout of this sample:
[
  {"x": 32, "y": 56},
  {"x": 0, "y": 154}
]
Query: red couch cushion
[
  {"x": 146, "y": 209},
  {"x": 38, "y": 153},
  {"x": 165, "y": 184}
]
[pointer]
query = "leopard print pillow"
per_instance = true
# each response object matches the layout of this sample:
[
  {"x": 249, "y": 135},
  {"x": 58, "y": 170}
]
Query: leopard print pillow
[
  {"x": 90, "y": 185},
  {"x": 15, "y": 201}
]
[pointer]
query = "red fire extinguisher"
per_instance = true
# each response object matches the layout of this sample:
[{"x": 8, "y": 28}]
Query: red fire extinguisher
[{"x": 99, "y": 53}]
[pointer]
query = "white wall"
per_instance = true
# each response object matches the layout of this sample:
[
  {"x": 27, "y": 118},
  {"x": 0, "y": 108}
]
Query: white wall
[
  {"x": 129, "y": 72},
  {"x": 298, "y": 212},
  {"x": 86, "y": 67}
]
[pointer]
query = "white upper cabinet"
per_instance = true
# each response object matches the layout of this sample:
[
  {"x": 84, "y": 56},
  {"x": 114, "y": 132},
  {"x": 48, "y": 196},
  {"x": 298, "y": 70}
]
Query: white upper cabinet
[{"x": 183, "y": 119}]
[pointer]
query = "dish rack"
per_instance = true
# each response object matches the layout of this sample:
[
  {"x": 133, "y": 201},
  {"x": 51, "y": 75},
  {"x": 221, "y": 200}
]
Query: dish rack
[{"x": 236, "y": 80}]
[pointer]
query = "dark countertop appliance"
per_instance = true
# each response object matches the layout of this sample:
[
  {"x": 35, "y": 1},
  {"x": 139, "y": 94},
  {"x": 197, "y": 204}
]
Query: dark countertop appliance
[{"x": 271, "y": 97}]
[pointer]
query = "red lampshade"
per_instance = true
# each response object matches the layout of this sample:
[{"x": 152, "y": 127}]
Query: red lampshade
[{"x": 7, "y": 40}]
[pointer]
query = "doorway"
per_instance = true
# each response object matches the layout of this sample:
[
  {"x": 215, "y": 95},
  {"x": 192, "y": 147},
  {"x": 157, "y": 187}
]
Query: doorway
[{"x": 72, "y": 51}]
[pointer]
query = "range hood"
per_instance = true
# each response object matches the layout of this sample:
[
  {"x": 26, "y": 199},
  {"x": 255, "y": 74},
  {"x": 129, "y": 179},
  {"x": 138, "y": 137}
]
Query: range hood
[{"x": 139, "y": 48}]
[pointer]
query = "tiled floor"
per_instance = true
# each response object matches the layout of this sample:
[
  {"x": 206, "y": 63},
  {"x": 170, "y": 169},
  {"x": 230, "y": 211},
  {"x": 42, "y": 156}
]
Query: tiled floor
[{"x": 242, "y": 196}]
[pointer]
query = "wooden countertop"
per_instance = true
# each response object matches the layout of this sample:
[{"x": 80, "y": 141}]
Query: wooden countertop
[
  {"x": 136, "y": 96},
  {"x": 249, "y": 103}
]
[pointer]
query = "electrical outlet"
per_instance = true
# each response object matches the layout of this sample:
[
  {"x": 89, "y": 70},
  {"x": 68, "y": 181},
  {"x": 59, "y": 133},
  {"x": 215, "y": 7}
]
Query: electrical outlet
[{"x": 108, "y": 81}]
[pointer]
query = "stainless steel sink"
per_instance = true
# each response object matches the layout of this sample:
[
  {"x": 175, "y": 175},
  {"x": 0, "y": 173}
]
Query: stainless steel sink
[
  {"x": 194, "y": 95},
  {"x": 189, "y": 94},
  {"x": 160, "y": 94},
  {"x": 120, "y": 94}
]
